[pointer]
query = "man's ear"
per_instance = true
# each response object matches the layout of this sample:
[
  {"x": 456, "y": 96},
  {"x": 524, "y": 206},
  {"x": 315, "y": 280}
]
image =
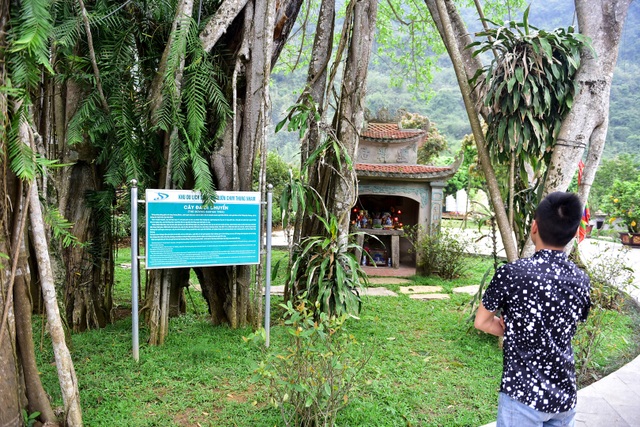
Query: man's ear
[{"x": 534, "y": 227}]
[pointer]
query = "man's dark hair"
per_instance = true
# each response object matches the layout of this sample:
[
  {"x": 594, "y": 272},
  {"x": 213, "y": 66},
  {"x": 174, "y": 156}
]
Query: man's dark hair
[{"x": 558, "y": 217}]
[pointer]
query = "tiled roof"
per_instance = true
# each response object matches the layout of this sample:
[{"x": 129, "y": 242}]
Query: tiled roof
[
  {"x": 395, "y": 168},
  {"x": 404, "y": 171},
  {"x": 390, "y": 131}
]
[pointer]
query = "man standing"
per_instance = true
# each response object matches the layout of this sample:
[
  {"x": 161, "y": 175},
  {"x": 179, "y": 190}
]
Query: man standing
[{"x": 541, "y": 298}]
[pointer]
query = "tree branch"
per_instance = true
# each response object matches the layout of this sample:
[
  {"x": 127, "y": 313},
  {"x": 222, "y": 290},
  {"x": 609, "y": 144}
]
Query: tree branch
[
  {"x": 92, "y": 55},
  {"x": 218, "y": 25},
  {"x": 483, "y": 152}
]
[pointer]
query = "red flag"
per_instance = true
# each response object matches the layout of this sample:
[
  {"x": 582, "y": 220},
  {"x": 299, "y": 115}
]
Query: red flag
[{"x": 586, "y": 215}]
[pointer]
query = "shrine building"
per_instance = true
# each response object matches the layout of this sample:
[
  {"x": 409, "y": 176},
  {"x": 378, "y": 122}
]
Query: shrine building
[{"x": 394, "y": 191}]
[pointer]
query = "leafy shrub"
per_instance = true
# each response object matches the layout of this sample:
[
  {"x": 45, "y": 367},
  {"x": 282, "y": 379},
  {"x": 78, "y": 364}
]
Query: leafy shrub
[
  {"x": 122, "y": 226},
  {"x": 311, "y": 379},
  {"x": 609, "y": 274},
  {"x": 440, "y": 252},
  {"x": 624, "y": 203},
  {"x": 327, "y": 270}
]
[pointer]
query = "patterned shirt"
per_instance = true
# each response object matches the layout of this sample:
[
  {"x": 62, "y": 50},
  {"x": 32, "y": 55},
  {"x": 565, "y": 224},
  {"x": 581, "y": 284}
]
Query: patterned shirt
[{"x": 542, "y": 299}]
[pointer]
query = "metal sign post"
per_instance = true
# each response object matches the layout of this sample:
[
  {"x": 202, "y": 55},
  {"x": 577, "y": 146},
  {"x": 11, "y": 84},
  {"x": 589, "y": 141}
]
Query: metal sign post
[
  {"x": 134, "y": 269},
  {"x": 267, "y": 298}
]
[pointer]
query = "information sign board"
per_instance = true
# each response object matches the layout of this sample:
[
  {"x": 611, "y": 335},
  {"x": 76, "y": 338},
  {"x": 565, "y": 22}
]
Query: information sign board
[{"x": 182, "y": 232}]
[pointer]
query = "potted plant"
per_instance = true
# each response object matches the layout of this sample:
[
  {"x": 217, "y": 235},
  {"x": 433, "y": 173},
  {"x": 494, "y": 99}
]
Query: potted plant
[{"x": 624, "y": 204}]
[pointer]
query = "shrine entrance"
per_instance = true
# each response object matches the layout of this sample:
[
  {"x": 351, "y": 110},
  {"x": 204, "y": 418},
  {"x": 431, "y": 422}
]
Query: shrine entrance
[{"x": 384, "y": 217}]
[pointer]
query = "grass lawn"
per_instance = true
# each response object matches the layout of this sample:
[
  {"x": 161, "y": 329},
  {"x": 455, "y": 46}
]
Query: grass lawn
[{"x": 426, "y": 368}]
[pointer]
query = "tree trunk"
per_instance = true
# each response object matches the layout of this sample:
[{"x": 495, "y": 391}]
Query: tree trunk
[
  {"x": 228, "y": 289},
  {"x": 350, "y": 116},
  {"x": 10, "y": 402},
  {"x": 20, "y": 384},
  {"x": 165, "y": 286},
  {"x": 89, "y": 268},
  {"x": 64, "y": 363},
  {"x": 585, "y": 127},
  {"x": 37, "y": 398},
  {"x": 316, "y": 88},
  {"x": 442, "y": 14}
]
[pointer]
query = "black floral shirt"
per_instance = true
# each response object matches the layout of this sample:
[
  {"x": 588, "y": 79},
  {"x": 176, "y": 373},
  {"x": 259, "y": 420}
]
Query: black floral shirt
[{"x": 542, "y": 299}]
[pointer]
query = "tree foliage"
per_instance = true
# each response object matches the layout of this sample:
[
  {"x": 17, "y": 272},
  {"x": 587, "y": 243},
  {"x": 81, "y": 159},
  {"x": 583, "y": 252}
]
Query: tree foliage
[
  {"x": 624, "y": 167},
  {"x": 435, "y": 144},
  {"x": 528, "y": 88}
]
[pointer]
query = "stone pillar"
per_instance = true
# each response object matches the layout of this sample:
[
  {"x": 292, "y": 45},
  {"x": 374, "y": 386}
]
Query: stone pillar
[
  {"x": 435, "y": 210},
  {"x": 395, "y": 251},
  {"x": 359, "y": 242}
]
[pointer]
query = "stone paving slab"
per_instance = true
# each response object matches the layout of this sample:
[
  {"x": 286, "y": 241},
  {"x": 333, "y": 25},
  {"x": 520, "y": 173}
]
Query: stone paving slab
[
  {"x": 420, "y": 289},
  {"x": 388, "y": 281},
  {"x": 378, "y": 292},
  {"x": 617, "y": 391},
  {"x": 631, "y": 414},
  {"x": 428, "y": 297},
  {"x": 471, "y": 289}
]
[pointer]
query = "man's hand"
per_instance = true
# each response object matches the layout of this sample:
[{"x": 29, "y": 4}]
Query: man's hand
[{"x": 488, "y": 322}]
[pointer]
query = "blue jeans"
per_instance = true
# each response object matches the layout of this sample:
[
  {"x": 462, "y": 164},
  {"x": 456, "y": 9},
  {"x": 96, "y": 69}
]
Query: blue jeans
[{"x": 512, "y": 413}]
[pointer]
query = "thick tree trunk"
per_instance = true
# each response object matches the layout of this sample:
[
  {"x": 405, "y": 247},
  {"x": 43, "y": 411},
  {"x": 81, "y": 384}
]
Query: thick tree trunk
[
  {"x": 10, "y": 386},
  {"x": 585, "y": 127},
  {"x": 228, "y": 290},
  {"x": 37, "y": 398},
  {"x": 20, "y": 385},
  {"x": 167, "y": 286},
  {"x": 10, "y": 402},
  {"x": 443, "y": 13},
  {"x": 350, "y": 115},
  {"x": 220, "y": 22},
  {"x": 89, "y": 268},
  {"x": 316, "y": 88}
]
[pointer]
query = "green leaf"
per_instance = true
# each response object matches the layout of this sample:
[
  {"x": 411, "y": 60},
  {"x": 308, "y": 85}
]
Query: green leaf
[
  {"x": 546, "y": 47},
  {"x": 520, "y": 75}
]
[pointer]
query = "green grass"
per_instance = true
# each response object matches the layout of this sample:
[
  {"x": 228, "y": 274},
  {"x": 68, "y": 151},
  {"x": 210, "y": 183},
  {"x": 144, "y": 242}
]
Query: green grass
[{"x": 426, "y": 368}]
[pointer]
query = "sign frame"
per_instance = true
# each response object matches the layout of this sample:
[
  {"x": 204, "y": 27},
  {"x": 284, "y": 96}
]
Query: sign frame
[{"x": 181, "y": 232}]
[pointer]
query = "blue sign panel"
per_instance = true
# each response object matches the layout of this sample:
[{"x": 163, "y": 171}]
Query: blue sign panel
[{"x": 182, "y": 232}]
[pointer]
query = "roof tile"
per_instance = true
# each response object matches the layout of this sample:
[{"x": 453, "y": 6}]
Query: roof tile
[
  {"x": 389, "y": 131},
  {"x": 400, "y": 169}
]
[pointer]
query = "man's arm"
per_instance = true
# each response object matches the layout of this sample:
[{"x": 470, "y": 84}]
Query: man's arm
[{"x": 488, "y": 322}]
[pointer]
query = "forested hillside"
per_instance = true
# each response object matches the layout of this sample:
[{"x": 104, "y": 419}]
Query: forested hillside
[{"x": 443, "y": 103}]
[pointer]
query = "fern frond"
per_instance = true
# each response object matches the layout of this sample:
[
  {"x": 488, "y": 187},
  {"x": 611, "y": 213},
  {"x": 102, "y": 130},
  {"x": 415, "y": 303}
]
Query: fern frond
[
  {"x": 179, "y": 162},
  {"x": 31, "y": 36},
  {"x": 60, "y": 226},
  {"x": 21, "y": 157}
]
